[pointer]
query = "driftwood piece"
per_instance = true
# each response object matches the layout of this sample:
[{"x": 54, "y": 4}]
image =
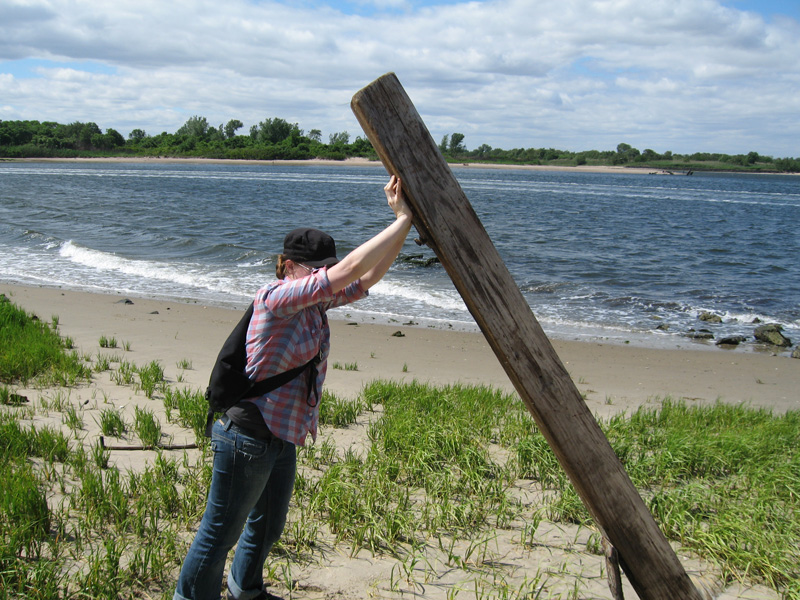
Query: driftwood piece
[
  {"x": 612, "y": 570},
  {"x": 142, "y": 447},
  {"x": 447, "y": 222}
]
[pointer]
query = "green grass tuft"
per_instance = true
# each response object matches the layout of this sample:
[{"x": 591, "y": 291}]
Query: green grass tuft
[
  {"x": 437, "y": 479},
  {"x": 30, "y": 348}
]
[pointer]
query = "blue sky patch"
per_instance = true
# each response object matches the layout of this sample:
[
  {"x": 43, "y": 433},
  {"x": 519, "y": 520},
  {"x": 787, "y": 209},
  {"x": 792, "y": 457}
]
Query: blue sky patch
[{"x": 767, "y": 8}]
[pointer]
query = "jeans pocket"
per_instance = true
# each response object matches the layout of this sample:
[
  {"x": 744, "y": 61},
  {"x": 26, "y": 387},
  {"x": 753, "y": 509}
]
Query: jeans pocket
[
  {"x": 221, "y": 444},
  {"x": 251, "y": 448}
]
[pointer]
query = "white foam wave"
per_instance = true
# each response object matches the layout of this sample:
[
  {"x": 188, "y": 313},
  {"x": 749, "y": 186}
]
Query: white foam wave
[
  {"x": 185, "y": 275},
  {"x": 441, "y": 299},
  {"x": 258, "y": 174},
  {"x": 750, "y": 318}
]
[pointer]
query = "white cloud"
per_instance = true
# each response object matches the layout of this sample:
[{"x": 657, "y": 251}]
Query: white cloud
[
  {"x": 679, "y": 75},
  {"x": 649, "y": 88}
]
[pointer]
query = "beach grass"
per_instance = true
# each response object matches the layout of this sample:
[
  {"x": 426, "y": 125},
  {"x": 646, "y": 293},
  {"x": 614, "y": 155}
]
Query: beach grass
[
  {"x": 32, "y": 349},
  {"x": 443, "y": 475},
  {"x": 112, "y": 422}
]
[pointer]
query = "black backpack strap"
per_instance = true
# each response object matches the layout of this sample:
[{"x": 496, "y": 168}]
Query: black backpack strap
[
  {"x": 265, "y": 386},
  {"x": 209, "y": 422}
]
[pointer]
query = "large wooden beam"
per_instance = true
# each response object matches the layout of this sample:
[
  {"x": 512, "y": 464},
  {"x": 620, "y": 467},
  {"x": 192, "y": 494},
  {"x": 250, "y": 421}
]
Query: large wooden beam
[{"x": 448, "y": 224}]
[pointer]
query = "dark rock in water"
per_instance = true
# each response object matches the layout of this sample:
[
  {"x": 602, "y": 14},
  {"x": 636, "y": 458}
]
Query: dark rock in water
[
  {"x": 125, "y": 301},
  {"x": 663, "y": 327},
  {"x": 418, "y": 260},
  {"x": 732, "y": 340},
  {"x": 709, "y": 317},
  {"x": 155, "y": 312},
  {"x": 702, "y": 334},
  {"x": 756, "y": 321},
  {"x": 771, "y": 334},
  {"x": 796, "y": 352}
]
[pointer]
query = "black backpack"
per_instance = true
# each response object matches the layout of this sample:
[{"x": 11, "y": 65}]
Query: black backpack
[{"x": 228, "y": 383}]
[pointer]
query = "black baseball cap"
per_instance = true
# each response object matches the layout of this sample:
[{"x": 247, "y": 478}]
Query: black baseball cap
[{"x": 311, "y": 247}]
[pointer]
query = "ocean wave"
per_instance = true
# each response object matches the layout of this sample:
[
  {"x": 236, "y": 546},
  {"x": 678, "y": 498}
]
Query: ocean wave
[
  {"x": 184, "y": 275},
  {"x": 745, "y": 319},
  {"x": 237, "y": 174},
  {"x": 415, "y": 293}
]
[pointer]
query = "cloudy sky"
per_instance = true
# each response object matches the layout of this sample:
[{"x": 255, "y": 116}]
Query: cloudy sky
[{"x": 680, "y": 75}]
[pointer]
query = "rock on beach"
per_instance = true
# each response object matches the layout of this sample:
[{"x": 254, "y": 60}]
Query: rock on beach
[{"x": 772, "y": 333}]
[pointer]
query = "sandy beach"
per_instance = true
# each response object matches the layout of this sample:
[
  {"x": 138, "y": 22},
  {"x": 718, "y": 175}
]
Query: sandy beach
[{"x": 613, "y": 378}]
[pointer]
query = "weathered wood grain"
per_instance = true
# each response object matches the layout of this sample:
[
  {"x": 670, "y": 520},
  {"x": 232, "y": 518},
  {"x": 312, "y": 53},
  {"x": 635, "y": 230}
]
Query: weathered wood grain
[{"x": 446, "y": 221}]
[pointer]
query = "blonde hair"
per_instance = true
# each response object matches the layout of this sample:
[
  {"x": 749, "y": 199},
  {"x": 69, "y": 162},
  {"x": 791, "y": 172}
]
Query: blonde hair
[{"x": 280, "y": 266}]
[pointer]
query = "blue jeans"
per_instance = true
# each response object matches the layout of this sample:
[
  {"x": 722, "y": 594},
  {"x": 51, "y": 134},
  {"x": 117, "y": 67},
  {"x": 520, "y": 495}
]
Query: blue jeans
[{"x": 251, "y": 487}]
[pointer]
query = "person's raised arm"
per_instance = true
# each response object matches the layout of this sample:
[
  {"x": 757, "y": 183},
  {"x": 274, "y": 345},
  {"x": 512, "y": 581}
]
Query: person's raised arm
[{"x": 370, "y": 261}]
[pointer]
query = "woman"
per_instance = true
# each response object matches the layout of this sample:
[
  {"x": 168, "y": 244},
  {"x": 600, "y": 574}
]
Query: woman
[{"x": 254, "y": 443}]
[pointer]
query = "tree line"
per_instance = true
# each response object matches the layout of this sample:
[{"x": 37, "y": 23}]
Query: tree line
[
  {"x": 271, "y": 139},
  {"x": 277, "y": 139}
]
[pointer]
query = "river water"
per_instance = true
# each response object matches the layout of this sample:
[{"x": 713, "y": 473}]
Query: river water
[{"x": 597, "y": 256}]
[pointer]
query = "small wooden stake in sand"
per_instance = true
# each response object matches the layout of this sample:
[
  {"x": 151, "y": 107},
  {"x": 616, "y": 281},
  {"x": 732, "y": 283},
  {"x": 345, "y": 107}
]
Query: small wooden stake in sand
[{"x": 448, "y": 224}]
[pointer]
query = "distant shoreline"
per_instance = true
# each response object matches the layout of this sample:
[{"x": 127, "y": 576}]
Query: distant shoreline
[
  {"x": 365, "y": 162},
  {"x": 349, "y": 162}
]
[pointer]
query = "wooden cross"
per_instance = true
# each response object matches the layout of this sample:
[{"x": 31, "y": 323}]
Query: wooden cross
[{"x": 447, "y": 223}]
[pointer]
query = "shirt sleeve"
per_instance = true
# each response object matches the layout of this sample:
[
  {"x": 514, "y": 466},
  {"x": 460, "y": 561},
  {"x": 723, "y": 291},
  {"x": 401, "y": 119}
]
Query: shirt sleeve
[
  {"x": 354, "y": 291},
  {"x": 288, "y": 297}
]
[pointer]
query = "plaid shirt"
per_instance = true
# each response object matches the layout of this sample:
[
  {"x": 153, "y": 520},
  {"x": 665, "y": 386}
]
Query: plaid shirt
[{"x": 288, "y": 328}]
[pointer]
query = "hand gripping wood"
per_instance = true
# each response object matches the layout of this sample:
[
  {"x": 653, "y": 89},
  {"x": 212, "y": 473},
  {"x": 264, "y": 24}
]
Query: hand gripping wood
[{"x": 448, "y": 224}]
